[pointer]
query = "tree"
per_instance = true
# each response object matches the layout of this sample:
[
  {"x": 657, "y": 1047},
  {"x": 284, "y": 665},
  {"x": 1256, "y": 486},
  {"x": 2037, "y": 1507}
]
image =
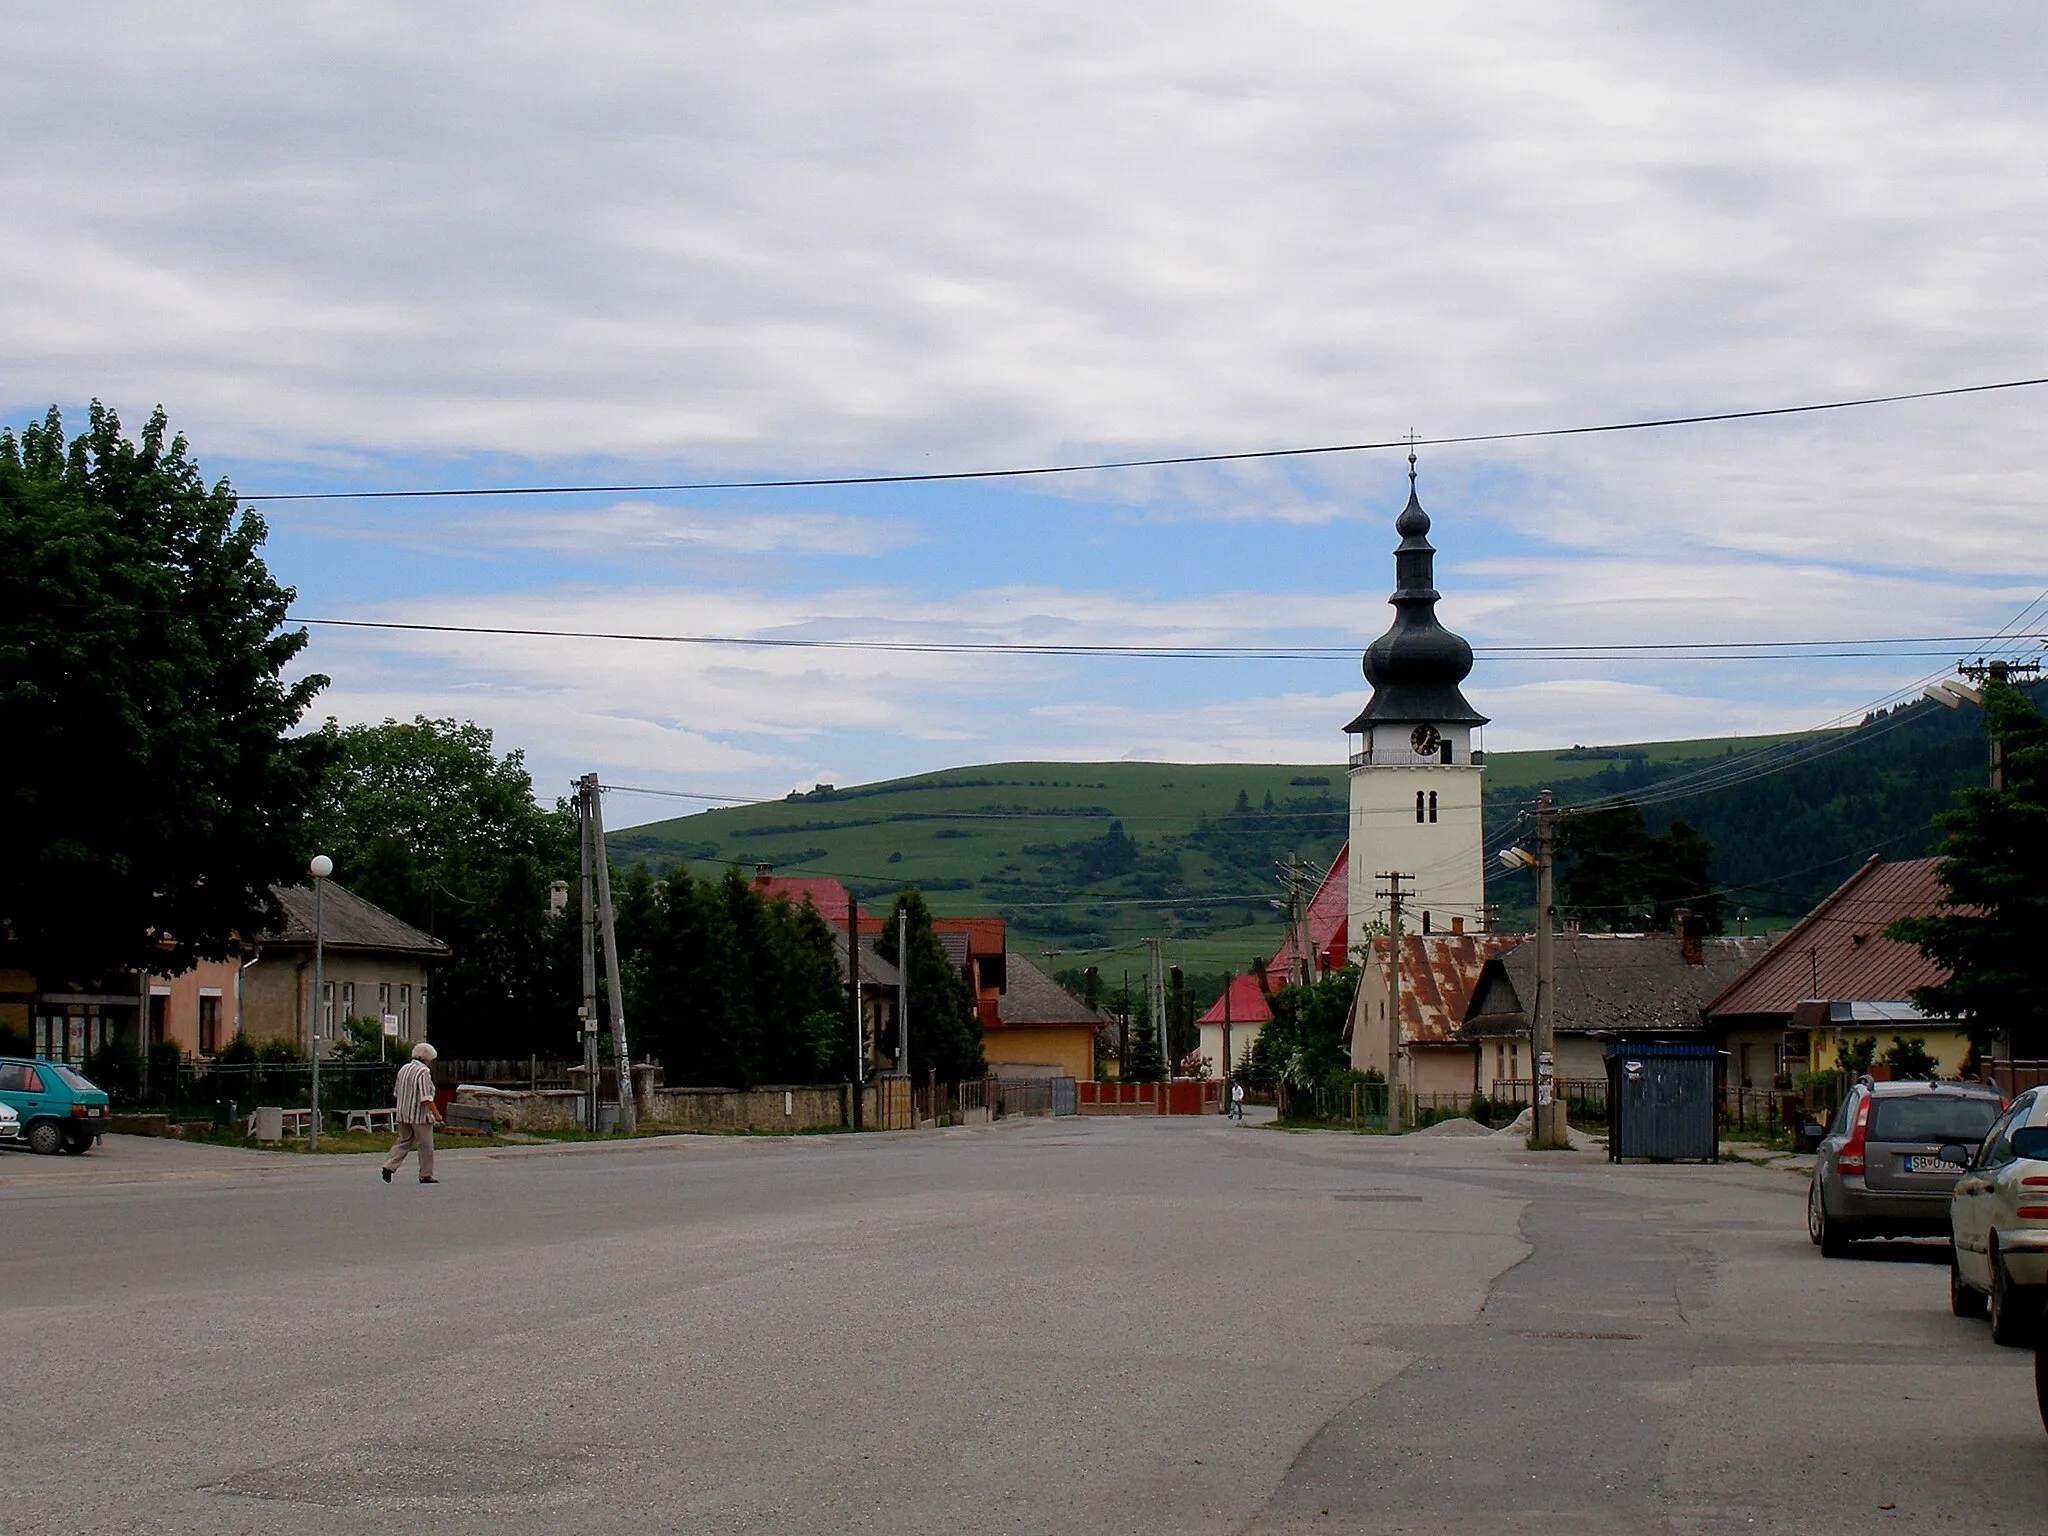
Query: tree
[
  {"x": 425, "y": 819},
  {"x": 151, "y": 789},
  {"x": 1302, "y": 1044},
  {"x": 1987, "y": 932},
  {"x": 1147, "y": 1064},
  {"x": 945, "y": 1035},
  {"x": 1619, "y": 875}
]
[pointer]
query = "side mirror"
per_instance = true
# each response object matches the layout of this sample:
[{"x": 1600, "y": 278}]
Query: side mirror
[{"x": 1955, "y": 1152}]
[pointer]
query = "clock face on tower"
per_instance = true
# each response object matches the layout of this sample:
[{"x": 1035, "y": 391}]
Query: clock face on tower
[{"x": 1425, "y": 740}]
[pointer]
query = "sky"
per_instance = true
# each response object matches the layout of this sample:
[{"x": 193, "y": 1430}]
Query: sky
[{"x": 375, "y": 247}]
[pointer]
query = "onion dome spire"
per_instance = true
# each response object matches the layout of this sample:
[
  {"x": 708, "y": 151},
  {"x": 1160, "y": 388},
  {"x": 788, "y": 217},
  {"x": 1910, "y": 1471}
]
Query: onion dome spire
[{"x": 1416, "y": 666}]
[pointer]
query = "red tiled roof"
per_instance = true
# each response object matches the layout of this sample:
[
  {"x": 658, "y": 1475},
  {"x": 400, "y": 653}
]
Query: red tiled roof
[
  {"x": 822, "y": 891},
  {"x": 1838, "y": 951},
  {"x": 1326, "y": 922},
  {"x": 1247, "y": 1003},
  {"x": 1438, "y": 974}
]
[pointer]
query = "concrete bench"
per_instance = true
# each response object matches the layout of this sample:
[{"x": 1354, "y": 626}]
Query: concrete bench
[{"x": 372, "y": 1120}]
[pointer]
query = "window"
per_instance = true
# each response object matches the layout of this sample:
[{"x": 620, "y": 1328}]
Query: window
[
  {"x": 383, "y": 1000},
  {"x": 1425, "y": 921},
  {"x": 1418, "y": 805},
  {"x": 1935, "y": 1117},
  {"x": 1432, "y": 805},
  {"x": 1444, "y": 750},
  {"x": 159, "y": 1016},
  {"x": 326, "y": 1027},
  {"x": 209, "y": 1026},
  {"x": 16, "y": 1078},
  {"x": 405, "y": 1010},
  {"x": 348, "y": 1000}
]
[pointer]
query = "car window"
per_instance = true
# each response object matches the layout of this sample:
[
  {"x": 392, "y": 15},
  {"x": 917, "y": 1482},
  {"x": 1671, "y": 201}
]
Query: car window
[
  {"x": 1935, "y": 1117},
  {"x": 10, "y": 1077},
  {"x": 78, "y": 1082},
  {"x": 1845, "y": 1114},
  {"x": 1997, "y": 1149}
]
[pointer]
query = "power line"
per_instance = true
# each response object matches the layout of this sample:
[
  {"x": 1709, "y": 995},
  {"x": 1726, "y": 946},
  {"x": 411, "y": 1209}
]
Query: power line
[
  {"x": 1683, "y": 650},
  {"x": 1165, "y": 462}
]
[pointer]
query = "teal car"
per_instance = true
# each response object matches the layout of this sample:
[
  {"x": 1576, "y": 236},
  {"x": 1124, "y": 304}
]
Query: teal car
[{"x": 60, "y": 1111}]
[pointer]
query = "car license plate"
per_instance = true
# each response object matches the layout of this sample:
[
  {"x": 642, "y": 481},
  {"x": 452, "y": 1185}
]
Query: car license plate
[{"x": 1931, "y": 1165}]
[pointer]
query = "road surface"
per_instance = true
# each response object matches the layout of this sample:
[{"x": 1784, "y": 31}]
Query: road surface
[{"x": 1042, "y": 1326}]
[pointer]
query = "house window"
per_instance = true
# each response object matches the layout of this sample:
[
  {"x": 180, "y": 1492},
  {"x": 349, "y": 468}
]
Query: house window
[
  {"x": 383, "y": 1000},
  {"x": 1432, "y": 805},
  {"x": 1418, "y": 805},
  {"x": 159, "y": 1016},
  {"x": 326, "y": 1027},
  {"x": 348, "y": 1001},
  {"x": 209, "y": 1025},
  {"x": 405, "y": 1010}
]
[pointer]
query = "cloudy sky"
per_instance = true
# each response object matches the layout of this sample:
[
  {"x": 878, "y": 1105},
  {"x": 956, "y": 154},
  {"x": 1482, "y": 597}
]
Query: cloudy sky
[{"x": 358, "y": 246}]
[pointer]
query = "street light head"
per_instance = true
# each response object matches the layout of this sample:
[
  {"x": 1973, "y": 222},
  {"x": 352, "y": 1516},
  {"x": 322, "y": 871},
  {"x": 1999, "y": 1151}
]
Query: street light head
[
  {"x": 1517, "y": 858},
  {"x": 322, "y": 866}
]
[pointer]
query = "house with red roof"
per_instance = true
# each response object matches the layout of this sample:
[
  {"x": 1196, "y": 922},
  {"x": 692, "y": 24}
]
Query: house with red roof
[{"x": 1834, "y": 978}]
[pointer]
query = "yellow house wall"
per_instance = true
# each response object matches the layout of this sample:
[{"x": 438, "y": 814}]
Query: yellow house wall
[
  {"x": 1071, "y": 1050},
  {"x": 276, "y": 992},
  {"x": 1948, "y": 1047},
  {"x": 1440, "y": 1069},
  {"x": 16, "y": 991}
]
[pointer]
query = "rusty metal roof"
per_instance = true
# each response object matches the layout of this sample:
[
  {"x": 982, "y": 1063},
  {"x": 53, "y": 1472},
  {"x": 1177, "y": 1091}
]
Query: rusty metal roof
[
  {"x": 1838, "y": 951},
  {"x": 1438, "y": 974}
]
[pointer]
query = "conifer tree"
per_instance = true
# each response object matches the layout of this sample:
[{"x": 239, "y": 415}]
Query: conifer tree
[
  {"x": 945, "y": 1035},
  {"x": 1987, "y": 934}
]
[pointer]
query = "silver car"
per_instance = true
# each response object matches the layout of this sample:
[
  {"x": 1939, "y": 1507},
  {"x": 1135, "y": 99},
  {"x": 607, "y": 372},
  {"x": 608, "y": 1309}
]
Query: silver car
[
  {"x": 1881, "y": 1171},
  {"x": 1998, "y": 1217},
  {"x": 10, "y": 1123}
]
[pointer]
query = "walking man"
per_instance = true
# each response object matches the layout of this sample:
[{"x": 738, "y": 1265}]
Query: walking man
[
  {"x": 1237, "y": 1101},
  {"x": 414, "y": 1095}
]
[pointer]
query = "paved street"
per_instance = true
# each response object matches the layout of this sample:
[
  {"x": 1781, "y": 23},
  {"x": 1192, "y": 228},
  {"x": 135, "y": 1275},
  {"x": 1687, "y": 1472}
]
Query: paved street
[{"x": 1049, "y": 1326}]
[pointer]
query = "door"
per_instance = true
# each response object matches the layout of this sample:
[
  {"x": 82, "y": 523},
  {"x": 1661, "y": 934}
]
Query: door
[
  {"x": 1970, "y": 1205},
  {"x": 21, "y": 1088}
]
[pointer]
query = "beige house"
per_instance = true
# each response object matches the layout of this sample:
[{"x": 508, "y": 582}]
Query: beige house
[{"x": 375, "y": 966}]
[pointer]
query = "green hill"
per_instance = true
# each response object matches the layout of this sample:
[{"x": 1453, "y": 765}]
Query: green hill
[{"x": 1089, "y": 858}]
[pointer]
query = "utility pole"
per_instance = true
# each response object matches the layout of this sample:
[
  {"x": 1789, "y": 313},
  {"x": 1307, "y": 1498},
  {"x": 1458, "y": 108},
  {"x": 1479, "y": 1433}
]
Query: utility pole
[
  {"x": 1228, "y": 977},
  {"x": 1155, "y": 1001},
  {"x": 588, "y": 1012},
  {"x": 1550, "y": 1124},
  {"x": 1394, "y": 895},
  {"x": 903, "y": 991},
  {"x": 614, "y": 991},
  {"x": 1979, "y": 673},
  {"x": 860, "y": 1034}
]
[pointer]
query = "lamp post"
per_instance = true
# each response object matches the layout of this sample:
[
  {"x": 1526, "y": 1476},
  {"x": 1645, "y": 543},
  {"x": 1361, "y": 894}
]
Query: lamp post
[{"x": 321, "y": 867}]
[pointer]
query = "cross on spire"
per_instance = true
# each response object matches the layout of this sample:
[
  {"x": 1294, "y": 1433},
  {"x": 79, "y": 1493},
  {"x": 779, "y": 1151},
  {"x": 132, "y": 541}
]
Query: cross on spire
[{"x": 1412, "y": 440}]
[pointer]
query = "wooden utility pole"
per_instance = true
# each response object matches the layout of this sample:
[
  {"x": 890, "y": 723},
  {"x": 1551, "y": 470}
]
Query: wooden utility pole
[
  {"x": 587, "y": 1014},
  {"x": 1550, "y": 1124},
  {"x": 903, "y": 991},
  {"x": 860, "y": 1034},
  {"x": 614, "y": 988},
  {"x": 1394, "y": 896},
  {"x": 1155, "y": 1002}
]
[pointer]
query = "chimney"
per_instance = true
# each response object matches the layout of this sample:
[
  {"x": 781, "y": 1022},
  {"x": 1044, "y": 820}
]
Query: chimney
[
  {"x": 1457, "y": 925},
  {"x": 1692, "y": 931},
  {"x": 762, "y": 872}
]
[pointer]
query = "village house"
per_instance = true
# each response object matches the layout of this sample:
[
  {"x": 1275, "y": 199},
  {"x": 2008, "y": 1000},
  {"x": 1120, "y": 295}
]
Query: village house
[
  {"x": 1833, "y": 979},
  {"x": 1439, "y": 976},
  {"x": 1610, "y": 987},
  {"x": 373, "y": 966},
  {"x": 1041, "y": 1029}
]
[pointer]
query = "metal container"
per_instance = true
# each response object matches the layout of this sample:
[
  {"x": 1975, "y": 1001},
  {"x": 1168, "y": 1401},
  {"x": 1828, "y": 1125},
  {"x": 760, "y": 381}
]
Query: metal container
[{"x": 1663, "y": 1102}]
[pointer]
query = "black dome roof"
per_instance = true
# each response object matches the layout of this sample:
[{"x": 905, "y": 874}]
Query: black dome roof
[{"x": 1416, "y": 666}]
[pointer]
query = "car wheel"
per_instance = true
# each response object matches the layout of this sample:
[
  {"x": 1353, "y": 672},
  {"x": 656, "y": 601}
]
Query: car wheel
[
  {"x": 46, "y": 1137},
  {"x": 1832, "y": 1236},
  {"x": 2012, "y": 1312},
  {"x": 1963, "y": 1299}
]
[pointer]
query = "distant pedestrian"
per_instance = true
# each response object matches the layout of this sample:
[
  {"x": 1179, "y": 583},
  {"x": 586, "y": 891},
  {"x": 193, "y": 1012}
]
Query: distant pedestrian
[
  {"x": 1237, "y": 1101},
  {"x": 413, "y": 1095}
]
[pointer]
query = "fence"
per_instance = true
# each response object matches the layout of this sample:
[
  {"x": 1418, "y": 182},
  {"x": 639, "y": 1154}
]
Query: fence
[
  {"x": 2012, "y": 1077},
  {"x": 197, "y": 1090}
]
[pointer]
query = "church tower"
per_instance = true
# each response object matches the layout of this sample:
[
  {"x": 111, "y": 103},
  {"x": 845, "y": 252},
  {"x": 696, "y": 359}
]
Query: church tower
[{"x": 1415, "y": 778}]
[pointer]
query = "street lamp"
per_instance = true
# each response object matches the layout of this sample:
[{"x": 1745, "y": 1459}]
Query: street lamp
[{"x": 321, "y": 867}]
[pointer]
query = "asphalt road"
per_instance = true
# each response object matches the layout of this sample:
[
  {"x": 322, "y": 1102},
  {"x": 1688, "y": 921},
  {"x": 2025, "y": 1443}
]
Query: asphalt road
[{"x": 1057, "y": 1326}]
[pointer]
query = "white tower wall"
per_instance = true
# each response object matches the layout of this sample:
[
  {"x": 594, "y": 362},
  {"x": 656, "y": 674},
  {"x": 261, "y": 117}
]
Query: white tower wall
[{"x": 1444, "y": 859}]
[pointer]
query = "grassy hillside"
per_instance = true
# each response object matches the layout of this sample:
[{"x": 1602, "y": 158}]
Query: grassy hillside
[{"x": 1089, "y": 858}]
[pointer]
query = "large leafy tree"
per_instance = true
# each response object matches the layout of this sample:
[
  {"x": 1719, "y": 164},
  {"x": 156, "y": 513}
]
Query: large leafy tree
[
  {"x": 945, "y": 1035},
  {"x": 1987, "y": 934},
  {"x": 151, "y": 786},
  {"x": 1620, "y": 875},
  {"x": 427, "y": 820}
]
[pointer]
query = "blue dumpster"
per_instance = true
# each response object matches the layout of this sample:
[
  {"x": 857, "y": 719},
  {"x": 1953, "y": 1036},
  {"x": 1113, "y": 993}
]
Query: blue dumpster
[{"x": 1663, "y": 1102}]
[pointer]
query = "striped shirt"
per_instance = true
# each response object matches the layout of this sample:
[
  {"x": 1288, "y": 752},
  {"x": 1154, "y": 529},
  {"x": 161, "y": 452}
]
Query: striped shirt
[{"x": 413, "y": 1092}]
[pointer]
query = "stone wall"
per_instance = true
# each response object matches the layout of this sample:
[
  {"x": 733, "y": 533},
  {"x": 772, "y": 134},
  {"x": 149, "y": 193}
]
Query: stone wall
[
  {"x": 551, "y": 1109},
  {"x": 793, "y": 1107}
]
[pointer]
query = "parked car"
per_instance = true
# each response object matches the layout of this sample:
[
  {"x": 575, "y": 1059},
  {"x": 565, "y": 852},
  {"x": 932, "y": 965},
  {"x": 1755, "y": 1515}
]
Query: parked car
[
  {"x": 10, "y": 1123},
  {"x": 1880, "y": 1170},
  {"x": 1999, "y": 1222},
  {"x": 59, "y": 1110}
]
